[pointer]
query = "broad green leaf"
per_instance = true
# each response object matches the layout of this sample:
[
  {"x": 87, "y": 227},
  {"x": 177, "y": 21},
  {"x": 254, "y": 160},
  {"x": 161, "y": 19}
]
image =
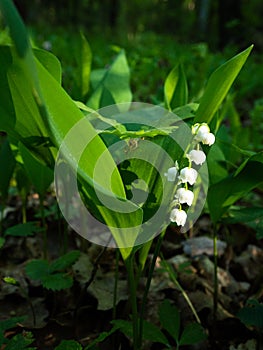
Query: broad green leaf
[
  {"x": 16, "y": 26},
  {"x": 83, "y": 59},
  {"x": 116, "y": 80},
  {"x": 19, "y": 112},
  {"x": 50, "y": 62},
  {"x": 21, "y": 342},
  {"x": 23, "y": 230},
  {"x": 63, "y": 115},
  {"x": 102, "y": 336},
  {"x": 226, "y": 192},
  {"x": 39, "y": 174},
  {"x": 57, "y": 281},
  {"x": 170, "y": 319},
  {"x": 153, "y": 333},
  {"x": 8, "y": 163},
  {"x": 150, "y": 331},
  {"x": 216, "y": 162},
  {"x": 37, "y": 269},
  {"x": 192, "y": 334},
  {"x": 218, "y": 86},
  {"x": 251, "y": 216},
  {"x": 65, "y": 261},
  {"x": 68, "y": 345},
  {"x": 175, "y": 88},
  {"x": 10, "y": 323},
  {"x": 252, "y": 314}
]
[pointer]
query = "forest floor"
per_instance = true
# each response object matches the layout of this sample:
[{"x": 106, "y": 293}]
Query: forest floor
[{"x": 85, "y": 310}]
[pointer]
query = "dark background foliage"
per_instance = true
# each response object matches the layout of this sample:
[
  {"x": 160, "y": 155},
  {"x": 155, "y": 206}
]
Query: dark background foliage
[{"x": 218, "y": 22}]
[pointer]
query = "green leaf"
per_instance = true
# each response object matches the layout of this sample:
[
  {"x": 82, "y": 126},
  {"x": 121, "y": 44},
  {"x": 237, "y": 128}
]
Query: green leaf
[
  {"x": 193, "y": 333},
  {"x": 218, "y": 86},
  {"x": 10, "y": 323},
  {"x": 8, "y": 163},
  {"x": 84, "y": 59},
  {"x": 175, "y": 88},
  {"x": 16, "y": 25},
  {"x": 10, "y": 280},
  {"x": 21, "y": 342},
  {"x": 37, "y": 269},
  {"x": 20, "y": 116},
  {"x": 216, "y": 162},
  {"x": 252, "y": 314},
  {"x": 50, "y": 62},
  {"x": 57, "y": 281},
  {"x": 39, "y": 174},
  {"x": 153, "y": 333},
  {"x": 170, "y": 319},
  {"x": 150, "y": 331},
  {"x": 116, "y": 80},
  {"x": 65, "y": 261},
  {"x": 23, "y": 230},
  {"x": 102, "y": 337},
  {"x": 69, "y": 345},
  {"x": 223, "y": 194}
]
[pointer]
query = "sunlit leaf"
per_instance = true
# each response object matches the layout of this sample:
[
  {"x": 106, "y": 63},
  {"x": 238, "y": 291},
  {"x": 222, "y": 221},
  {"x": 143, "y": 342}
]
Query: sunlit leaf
[
  {"x": 218, "y": 86},
  {"x": 175, "y": 88},
  {"x": 116, "y": 80}
]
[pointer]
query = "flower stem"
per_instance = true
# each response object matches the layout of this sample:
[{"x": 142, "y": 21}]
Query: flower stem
[
  {"x": 114, "y": 312},
  {"x": 215, "y": 301},
  {"x": 133, "y": 297},
  {"x": 148, "y": 284}
]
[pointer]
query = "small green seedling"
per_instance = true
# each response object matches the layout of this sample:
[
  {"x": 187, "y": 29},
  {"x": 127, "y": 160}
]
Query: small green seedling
[
  {"x": 53, "y": 275},
  {"x": 171, "y": 321},
  {"x": 19, "y": 341}
]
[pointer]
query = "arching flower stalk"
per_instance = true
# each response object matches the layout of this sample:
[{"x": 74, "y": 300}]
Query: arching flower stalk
[{"x": 188, "y": 175}]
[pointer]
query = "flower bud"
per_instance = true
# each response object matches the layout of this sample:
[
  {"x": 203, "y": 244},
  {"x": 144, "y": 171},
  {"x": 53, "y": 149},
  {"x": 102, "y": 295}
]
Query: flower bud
[
  {"x": 178, "y": 216},
  {"x": 184, "y": 196},
  {"x": 171, "y": 174},
  {"x": 198, "y": 157},
  {"x": 188, "y": 175}
]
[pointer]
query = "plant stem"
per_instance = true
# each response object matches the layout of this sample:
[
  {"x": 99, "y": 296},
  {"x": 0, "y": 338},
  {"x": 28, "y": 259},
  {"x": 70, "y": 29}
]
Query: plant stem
[
  {"x": 215, "y": 273},
  {"x": 43, "y": 221},
  {"x": 132, "y": 284},
  {"x": 148, "y": 284},
  {"x": 178, "y": 285},
  {"x": 1, "y": 217},
  {"x": 114, "y": 313},
  {"x": 24, "y": 218}
]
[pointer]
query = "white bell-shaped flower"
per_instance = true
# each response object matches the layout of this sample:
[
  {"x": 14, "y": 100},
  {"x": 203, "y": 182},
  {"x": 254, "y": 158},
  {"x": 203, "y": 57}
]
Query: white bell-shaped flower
[
  {"x": 202, "y": 134},
  {"x": 199, "y": 130},
  {"x": 188, "y": 175},
  {"x": 198, "y": 157},
  {"x": 208, "y": 139},
  {"x": 184, "y": 196},
  {"x": 171, "y": 173},
  {"x": 179, "y": 216}
]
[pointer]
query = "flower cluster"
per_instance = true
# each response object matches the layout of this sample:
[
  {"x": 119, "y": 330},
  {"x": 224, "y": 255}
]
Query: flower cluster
[{"x": 188, "y": 175}]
